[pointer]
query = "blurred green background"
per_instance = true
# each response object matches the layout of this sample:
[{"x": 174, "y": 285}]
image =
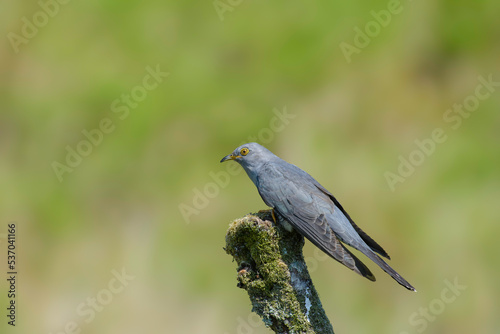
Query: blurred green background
[{"x": 230, "y": 72}]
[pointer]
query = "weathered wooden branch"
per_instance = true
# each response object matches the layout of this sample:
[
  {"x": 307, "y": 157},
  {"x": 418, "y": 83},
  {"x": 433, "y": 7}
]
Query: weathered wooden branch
[{"x": 272, "y": 270}]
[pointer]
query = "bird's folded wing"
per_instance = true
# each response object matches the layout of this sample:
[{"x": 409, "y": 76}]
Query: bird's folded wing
[
  {"x": 366, "y": 238},
  {"x": 299, "y": 203}
]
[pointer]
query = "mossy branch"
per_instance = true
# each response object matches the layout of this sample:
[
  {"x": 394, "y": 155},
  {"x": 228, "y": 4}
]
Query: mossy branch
[{"x": 272, "y": 270}]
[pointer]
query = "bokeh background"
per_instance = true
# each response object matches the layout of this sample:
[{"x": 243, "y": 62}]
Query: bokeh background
[{"x": 230, "y": 73}]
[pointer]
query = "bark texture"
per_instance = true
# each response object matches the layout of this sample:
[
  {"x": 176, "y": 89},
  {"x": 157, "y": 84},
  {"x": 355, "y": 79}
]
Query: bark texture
[{"x": 272, "y": 270}]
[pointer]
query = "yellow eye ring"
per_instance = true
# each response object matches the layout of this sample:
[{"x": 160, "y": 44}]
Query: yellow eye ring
[{"x": 244, "y": 151}]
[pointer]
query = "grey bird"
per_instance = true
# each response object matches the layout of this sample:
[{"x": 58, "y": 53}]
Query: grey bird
[{"x": 311, "y": 209}]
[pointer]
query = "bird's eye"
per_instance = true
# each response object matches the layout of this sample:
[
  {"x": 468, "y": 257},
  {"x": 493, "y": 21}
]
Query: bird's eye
[{"x": 244, "y": 151}]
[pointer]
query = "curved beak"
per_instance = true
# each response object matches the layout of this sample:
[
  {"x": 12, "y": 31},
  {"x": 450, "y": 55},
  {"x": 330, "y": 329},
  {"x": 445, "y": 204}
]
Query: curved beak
[{"x": 230, "y": 157}]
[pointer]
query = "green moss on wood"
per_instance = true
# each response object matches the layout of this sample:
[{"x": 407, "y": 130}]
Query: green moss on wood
[{"x": 272, "y": 270}]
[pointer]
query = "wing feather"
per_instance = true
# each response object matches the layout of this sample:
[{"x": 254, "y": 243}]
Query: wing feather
[
  {"x": 366, "y": 238},
  {"x": 300, "y": 208}
]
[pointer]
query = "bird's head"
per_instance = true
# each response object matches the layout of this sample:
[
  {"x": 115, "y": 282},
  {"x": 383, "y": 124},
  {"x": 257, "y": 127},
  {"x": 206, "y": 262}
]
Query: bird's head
[{"x": 250, "y": 155}]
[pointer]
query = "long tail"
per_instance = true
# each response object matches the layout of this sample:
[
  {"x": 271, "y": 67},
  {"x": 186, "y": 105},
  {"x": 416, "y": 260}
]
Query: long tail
[{"x": 385, "y": 267}]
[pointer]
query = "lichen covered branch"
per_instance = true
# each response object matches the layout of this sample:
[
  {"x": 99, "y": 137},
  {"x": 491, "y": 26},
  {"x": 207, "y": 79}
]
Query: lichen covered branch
[{"x": 272, "y": 270}]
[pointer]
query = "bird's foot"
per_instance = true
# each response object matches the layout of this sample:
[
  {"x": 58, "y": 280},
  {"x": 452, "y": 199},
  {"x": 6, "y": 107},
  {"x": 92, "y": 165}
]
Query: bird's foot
[{"x": 281, "y": 221}]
